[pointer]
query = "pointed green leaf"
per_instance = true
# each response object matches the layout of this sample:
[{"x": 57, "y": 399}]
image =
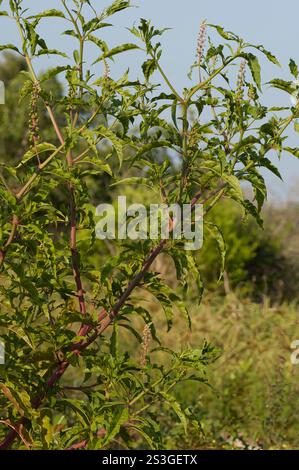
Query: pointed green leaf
[
  {"x": 117, "y": 50},
  {"x": 217, "y": 235},
  {"x": 115, "y": 141},
  {"x": 37, "y": 150},
  {"x": 254, "y": 66},
  {"x": 293, "y": 68},
  {"x": 48, "y": 13},
  {"x": 120, "y": 417}
]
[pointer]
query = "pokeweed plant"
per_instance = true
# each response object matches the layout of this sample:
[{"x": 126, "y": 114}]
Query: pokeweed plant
[{"x": 65, "y": 383}]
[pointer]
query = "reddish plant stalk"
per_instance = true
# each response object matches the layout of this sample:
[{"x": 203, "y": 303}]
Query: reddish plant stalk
[
  {"x": 73, "y": 222},
  {"x": 78, "y": 445},
  {"x": 15, "y": 223}
]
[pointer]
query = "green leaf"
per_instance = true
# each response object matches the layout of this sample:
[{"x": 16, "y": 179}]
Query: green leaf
[
  {"x": 293, "y": 68},
  {"x": 252, "y": 210},
  {"x": 76, "y": 56},
  {"x": 114, "y": 350},
  {"x": 174, "y": 113},
  {"x": 76, "y": 405},
  {"x": 99, "y": 42},
  {"x": 293, "y": 151},
  {"x": 144, "y": 432},
  {"x": 19, "y": 398},
  {"x": 117, "y": 50},
  {"x": 120, "y": 417},
  {"x": 217, "y": 235},
  {"x": 19, "y": 331},
  {"x": 254, "y": 66},
  {"x": 132, "y": 330},
  {"x": 94, "y": 25},
  {"x": 51, "y": 52},
  {"x": 171, "y": 401},
  {"x": 282, "y": 85},
  {"x": 265, "y": 162},
  {"x": 47, "y": 431},
  {"x": 70, "y": 32},
  {"x": 115, "y": 7},
  {"x": 153, "y": 145},
  {"x": 247, "y": 142},
  {"x": 133, "y": 180},
  {"x": 149, "y": 68},
  {"x": 97, "y": 163},
  {"x": 268, "y": 54},
  {"x": 234, "y": 185},
  {"x": 53, "y": 72},
  {"x": 117, "y": 144},
  {"x": 37, "y": 150},
  {"x": 167, "y": 298},
  {"x": 228, "y": 35},
  {"x": 48, "y": 13},
  {"x": 9, "y": 46},
  {"x": 259, "y": 187}
]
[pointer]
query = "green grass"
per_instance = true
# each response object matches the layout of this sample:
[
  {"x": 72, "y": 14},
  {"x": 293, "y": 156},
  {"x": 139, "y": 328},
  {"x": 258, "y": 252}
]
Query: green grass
[{"x": 253, "y": 401}]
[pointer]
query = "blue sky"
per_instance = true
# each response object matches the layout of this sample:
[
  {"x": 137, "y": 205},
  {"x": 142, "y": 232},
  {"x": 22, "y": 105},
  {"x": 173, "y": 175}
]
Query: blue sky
[{"x": 271, "y": 23}]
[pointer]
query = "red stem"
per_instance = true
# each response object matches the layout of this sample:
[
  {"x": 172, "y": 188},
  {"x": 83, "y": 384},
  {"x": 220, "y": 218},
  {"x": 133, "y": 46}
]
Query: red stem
[
  {"x": 73, "y": 221},
  {"x": 78, "y": 445},
  {"x": 15, "y": 223}
]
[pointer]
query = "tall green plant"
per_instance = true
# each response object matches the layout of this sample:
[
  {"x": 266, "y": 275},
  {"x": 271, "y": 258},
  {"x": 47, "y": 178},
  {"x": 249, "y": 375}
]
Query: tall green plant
[{"x": 65, "y": 383}]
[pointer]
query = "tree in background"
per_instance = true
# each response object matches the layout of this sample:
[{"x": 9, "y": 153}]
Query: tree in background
[{"x": 14, "y": 123}]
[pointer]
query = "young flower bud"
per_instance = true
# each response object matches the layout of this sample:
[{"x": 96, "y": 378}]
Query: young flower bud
[
  {"x": 106, "y": 69},
  {"x": 241, "y": 80},
  {"x": 33, "y": 116},
  {"x": 201, "y": 41},
  {"x": 146, "y": 338}
]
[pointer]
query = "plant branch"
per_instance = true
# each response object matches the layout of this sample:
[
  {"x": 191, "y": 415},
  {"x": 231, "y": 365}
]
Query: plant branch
[
  {"x": 3, "y": 251},
  {"x": 73, "y": 212},
  {"x": 166, "y": 79},
  {"x": 201, "y": 85}
]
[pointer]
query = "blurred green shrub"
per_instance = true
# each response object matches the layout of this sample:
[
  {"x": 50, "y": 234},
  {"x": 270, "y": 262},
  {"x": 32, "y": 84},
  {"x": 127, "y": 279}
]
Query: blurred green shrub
[{"x": 258, "y": 263}]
